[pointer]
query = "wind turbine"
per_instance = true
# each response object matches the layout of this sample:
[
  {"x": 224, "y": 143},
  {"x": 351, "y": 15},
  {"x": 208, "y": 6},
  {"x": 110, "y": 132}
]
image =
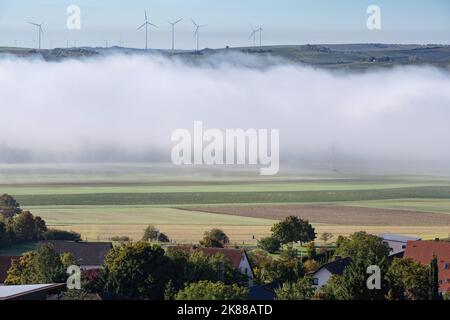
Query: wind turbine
[
  {"x": 173, "y": 32},
  {"x": 197, "y": 32},
  {"x": 146, "y": 24},
  {"x": 260, "y": 30},
  {"x": 253, "y": 35},
  {"x": 40, "y": 31}
]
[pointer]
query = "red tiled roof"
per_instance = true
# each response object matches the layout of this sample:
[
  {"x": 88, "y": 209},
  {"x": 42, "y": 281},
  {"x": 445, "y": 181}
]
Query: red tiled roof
[
  {"x": 5, "y": 264},
  {"x": 233, "y": 255},
  {"x": 422, "y": 251}
]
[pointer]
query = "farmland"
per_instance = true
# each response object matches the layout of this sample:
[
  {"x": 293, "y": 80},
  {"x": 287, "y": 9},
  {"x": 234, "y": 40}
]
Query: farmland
[{"x": 106, "y": 200}]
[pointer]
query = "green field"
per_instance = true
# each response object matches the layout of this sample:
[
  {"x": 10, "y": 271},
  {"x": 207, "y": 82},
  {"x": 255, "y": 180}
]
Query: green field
[
  {"x": 232, "y": 197},
  {"x": 104, "y": 200}
]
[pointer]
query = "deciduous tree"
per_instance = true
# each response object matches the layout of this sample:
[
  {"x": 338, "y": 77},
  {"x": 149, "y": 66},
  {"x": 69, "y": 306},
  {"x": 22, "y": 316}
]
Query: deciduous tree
[
  {"x": 293, "y": 229},
  {"x": 300, "y": 290},
  {"x": 207, "y": 290},
  {"x": 407, "y": 280},
  {"x": 215, "y": 238}
]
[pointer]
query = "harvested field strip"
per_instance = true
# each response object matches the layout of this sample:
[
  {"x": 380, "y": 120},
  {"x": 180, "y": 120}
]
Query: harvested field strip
[{"x": 338, "y": 215}]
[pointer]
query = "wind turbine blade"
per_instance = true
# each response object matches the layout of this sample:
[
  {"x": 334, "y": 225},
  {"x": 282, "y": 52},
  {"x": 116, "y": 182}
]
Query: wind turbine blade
[
  {"x": 34, "y": 24},
  {"x": 145, "y": 15},
  {"x": 195, "y": 24},
  {"x": 179, "y": 20},
  {"x": 142, "y": 25},
  {"x": 154, "y": 25},
  {"x": 203, "y": 25}
]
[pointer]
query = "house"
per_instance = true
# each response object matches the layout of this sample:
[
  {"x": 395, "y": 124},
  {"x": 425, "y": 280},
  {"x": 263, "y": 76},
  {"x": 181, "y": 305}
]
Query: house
[
  {"x": 423, "y": 251},
  {"x": 89, "y": 255},
  {"x": 397, "y": 243},
  {"x": 321, "y": 276},
  {"x": 237, "y": 257},
  {"x": 5, "y": 264},
  {"x": 30, "y": 292}
]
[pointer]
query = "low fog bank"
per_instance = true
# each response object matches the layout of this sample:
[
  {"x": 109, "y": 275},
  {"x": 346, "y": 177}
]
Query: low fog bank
[{"x": 124, "y": 108}]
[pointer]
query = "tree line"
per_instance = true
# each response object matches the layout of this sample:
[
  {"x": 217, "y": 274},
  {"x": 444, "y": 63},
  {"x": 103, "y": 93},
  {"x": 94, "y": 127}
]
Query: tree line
[{"x": 21, "y": 226}]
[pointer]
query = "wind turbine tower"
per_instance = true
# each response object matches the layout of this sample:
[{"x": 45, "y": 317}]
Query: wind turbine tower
[
  {"x": 197, "y": 33},
  {"x": 253, "y": 35},
  {"x": 173, "y": 32},
  {"x": 40, "y": 31},
  {"x": 146, "y": 24},
  {"x": 260, "y": 30}
]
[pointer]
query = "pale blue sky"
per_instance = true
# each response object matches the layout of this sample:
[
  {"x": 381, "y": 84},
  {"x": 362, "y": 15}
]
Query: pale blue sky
[{"x": 284, "y": 22}]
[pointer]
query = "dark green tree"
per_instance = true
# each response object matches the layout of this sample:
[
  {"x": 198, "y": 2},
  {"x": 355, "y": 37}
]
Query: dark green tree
[
  {"x": 293, "y": 229},
  {"x": 150, "y": 233},
  {"x": 300, "y": 290},
  {"x": 4, "y": 238},
  {"x": 43, "y": 265},
  {"x": 363, "y": 245},
  {"x": 407, "y": 280},
  {"x": 9, "y": 207},
  {"x": 215, "y": 238},
  {"x": 137, "y": 271},
  {"x": 24, "y": 227},
  {"x": 365, "y": 250},
  {"x": 288, "y": 268},
  {"x": 54, "y": 234},
  {"x": 433, "y": 279},
  {"x": 153, "y": 234},
  {"x": 270, "y": 244},
  {"x": 207, "y": 290}
]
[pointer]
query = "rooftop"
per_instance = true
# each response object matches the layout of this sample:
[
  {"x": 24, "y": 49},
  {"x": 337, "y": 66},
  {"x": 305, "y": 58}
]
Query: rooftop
[
  {"x": 397, "y": 237},
  {"x": 21, "y": 291},
  {"x": 86, "y": 253},
  {"x": 422, "y": 251},
  {"x": 337, "y": 266}
]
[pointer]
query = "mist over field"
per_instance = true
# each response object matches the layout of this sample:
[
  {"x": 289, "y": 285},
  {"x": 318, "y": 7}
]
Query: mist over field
[{"x": 124, "y": 108}]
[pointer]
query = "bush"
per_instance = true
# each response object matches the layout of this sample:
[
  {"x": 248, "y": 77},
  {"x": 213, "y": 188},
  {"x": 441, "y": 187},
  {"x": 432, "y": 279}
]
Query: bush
[
  {"x": 300, "y": 290},
  {"x": 150, "y": 233},
  {"x": 207, "y": 290},
  {"x": 270, "y": 244},
  {"x": 53, "y": 234},
  {"x": 215, "y": 238},
  {"x": 311, "y": 265},
  {"x": 153, "y": 234},
  {"x": 121, "y": 239}
]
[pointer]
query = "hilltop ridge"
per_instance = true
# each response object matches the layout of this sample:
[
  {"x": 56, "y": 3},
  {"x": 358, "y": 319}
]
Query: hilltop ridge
[{"x": 328, "y": 56}]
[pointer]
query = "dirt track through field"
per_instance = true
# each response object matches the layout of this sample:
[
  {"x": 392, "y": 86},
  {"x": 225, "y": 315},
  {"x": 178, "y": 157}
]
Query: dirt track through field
[{"x": 338, "y": 215}]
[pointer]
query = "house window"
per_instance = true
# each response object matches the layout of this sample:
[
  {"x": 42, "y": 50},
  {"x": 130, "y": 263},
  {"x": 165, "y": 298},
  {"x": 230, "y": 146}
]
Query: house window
[
  {"x": 403, "y": 247},
  {"x": 315, "y": 281},
  {"x": 447, "y": 266}
]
